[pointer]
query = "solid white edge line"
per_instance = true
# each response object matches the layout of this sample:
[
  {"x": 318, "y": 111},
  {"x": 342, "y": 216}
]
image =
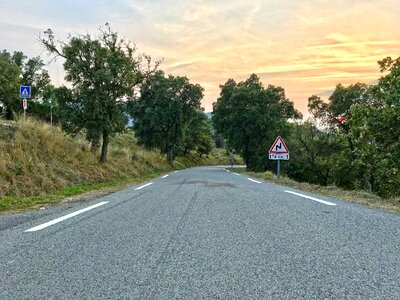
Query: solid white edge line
[
  {"x": 312, "y": 198},
  {"x": 235, "y": 174},
  {"x": 253, "y": 180},
  {"x": 227, "y": 170},
  {"x": 143, "y": 186},
  {"x": 165, "y": 176},
  {"x": 58, "y": 220}
]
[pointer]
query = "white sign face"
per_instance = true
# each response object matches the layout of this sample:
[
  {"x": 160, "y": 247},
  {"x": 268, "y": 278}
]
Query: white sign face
[
  {"x": 279, "y": 147},
  {"x": 279, "y": 156},
  {"x": 279, "y": 151}
]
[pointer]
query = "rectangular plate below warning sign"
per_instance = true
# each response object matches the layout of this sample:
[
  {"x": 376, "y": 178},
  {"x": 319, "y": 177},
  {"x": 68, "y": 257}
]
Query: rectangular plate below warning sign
[{"x": 279, "y": 156}]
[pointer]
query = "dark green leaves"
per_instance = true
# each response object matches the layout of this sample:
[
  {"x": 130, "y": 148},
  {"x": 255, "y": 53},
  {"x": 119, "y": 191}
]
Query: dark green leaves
[
  {"x": 164, "y": 111},
  {"x": 103, "y": 72},
  {"x": 250, "y": 117}
]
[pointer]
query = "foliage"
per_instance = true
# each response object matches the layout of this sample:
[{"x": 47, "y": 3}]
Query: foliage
[
  {"x": 250, "y": 117},
  {"x": 164, "y": 111},
  {"x": 370, "y": 132},
  {"x": 16, "y": 69},
  {"x": 197, "y": 135},
  {"x": 102, "y": 70},
  {"x": 219, "y": 140},
  {"x": 9, "y": 84},
  {"x": 316, "y": 155},
  {"x": 376, "y": 132}
]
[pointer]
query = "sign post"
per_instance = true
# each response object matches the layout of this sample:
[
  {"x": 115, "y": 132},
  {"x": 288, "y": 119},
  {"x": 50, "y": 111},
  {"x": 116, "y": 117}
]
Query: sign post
[
  {"x": 25, "y": 106},
  {"x": 51, "y": 112},
  {"x": 24, "y": 93},
  {"x": 279, "y": 152}
]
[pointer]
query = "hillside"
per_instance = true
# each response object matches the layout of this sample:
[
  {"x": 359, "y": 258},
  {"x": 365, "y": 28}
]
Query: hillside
[{"x": 37, "y": 160}]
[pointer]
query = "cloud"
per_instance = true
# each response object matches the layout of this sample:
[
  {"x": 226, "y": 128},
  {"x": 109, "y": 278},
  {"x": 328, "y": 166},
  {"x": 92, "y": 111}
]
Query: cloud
[{"x": 305, "y": 46}]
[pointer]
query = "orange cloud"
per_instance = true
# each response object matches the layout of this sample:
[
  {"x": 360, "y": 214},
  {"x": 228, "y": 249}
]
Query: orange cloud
[{"x": 305, "y": 46}]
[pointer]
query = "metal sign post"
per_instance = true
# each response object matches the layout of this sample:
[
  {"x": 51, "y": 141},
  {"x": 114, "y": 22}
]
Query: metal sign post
[
  {"x": 279, "y": 152},
  {"x": 25, "y": 106},
  {"x": 278, "y": 167}
]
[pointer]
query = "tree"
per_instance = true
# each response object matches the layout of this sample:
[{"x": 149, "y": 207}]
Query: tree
[
  {"x": 316, "y": 155},
  {"x": 370, "y": 128},
  {"x": 9, "y": 85},
  {"x": 32, "y": 73},
  {"x": 335, "y": 115},
  {"x": 340, "y": 103},
  {"x": 205, "y": 141},
  {"x": 103, "y": 71},
  {"x": 250, "y": 117},
  {"x": 164, "y": 111},
  {"x": 376, "y": 132},
  {"x": 197, "y": 135}
]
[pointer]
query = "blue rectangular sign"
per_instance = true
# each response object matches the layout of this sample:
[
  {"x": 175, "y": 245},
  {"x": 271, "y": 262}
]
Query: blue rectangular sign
[{"x": 24, "y": 91}]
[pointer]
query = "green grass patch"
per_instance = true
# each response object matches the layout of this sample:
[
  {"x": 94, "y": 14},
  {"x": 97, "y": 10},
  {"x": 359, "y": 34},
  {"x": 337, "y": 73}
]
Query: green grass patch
[{"x": 20, "y": 203}]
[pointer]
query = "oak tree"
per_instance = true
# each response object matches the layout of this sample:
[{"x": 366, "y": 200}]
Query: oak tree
[{"x": 103, "y": 71}]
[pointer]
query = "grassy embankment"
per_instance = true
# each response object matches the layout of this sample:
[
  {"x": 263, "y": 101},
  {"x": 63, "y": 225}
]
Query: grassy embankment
[
  {"x": 40, "y": 165},
  {"x": 360, "y": 197}
]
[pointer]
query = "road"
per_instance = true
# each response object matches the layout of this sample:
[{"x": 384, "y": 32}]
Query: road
[{"x": 204, "y": 233}]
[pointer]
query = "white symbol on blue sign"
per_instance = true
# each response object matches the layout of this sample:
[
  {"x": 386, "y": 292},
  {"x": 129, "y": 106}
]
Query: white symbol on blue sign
[{"x": 25, "y": 91}]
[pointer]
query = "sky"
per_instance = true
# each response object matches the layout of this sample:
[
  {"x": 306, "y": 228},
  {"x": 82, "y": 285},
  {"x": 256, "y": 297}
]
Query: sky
[{"x": 307, "y": 47}]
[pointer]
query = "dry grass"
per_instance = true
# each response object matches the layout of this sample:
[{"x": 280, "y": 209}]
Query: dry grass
[
  {"x": 360, "y": 197},
  {"x": 37, "y": 161}
]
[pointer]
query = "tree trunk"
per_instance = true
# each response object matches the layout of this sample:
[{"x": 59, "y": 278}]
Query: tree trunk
[
  {"x": 104, "y": 148},
  {"x": 170, "y": 155}
]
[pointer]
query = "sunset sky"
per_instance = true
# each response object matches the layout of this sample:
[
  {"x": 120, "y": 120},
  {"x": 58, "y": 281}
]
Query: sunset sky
[{"x": 306, "y": 46}]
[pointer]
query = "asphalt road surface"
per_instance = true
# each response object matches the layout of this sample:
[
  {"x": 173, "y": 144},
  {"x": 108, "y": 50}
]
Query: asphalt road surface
[{"x": 204, "y": 233}]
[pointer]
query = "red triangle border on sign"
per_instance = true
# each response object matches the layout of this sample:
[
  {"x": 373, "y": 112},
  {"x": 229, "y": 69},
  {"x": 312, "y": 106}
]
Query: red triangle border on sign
[{"x": 283, "y": 143}]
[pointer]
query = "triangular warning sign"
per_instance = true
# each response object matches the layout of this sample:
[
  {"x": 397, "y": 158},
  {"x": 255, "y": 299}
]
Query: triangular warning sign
[{"x": 279, "y": 147}]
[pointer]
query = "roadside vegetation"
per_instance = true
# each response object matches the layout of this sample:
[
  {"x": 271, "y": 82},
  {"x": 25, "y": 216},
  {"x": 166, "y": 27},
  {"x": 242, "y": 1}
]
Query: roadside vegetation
[
  {"x": 351, "y": 141},
  {"x": 40, "y": 164}
]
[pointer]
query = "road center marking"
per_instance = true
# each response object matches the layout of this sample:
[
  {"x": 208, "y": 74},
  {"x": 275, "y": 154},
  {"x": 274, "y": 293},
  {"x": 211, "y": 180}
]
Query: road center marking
[
  {"x": 165, "y": 176},
  {"x": 227, "y": 170},
  {"x": 58, "y": 220},
  {"x": 311, "y": 198},
  {"x": 143, "y": 186},
  {"x": 253, "y": 180}
]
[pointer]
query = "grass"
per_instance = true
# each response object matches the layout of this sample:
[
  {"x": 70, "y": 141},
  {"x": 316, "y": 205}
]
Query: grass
[
  {"x": 18, "y": 203},
  {"x": 355, "y": 196},
  {"x": 40, "y": 165}
]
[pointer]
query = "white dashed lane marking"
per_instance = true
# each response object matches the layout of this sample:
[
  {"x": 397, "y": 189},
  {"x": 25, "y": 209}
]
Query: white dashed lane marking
[
  {"x": 312, "y": 198},
  {"x": 143, "y": 186},
  {"x": 253, "y": 180},
  {"x": 58, "y": 220}
]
